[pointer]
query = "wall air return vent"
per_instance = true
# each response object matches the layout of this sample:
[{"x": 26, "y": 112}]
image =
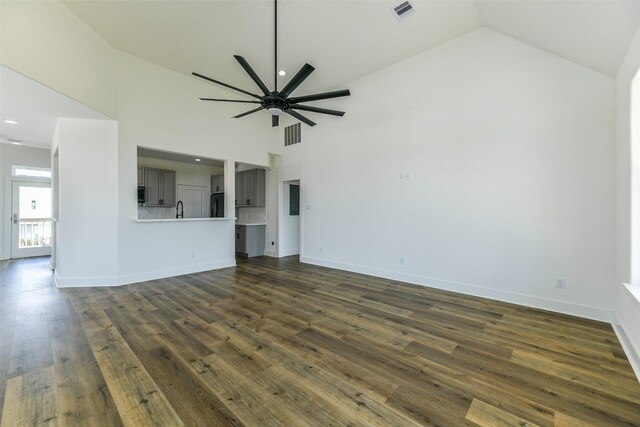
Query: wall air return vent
[
  {"x": 292, "y": 134},
  {"x": 403, "y": 10}
]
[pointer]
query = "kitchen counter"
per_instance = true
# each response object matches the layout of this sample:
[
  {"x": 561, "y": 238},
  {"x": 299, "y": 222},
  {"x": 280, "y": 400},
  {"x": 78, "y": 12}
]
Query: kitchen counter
[{"x": 184, "y": 219}]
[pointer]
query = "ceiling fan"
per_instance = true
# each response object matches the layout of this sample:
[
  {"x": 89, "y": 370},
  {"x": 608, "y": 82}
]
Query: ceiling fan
[{"x": 278, "y": 102}]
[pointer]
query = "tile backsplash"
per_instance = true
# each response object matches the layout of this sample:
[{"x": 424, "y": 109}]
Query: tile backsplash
[
  {"x": 251, "y": 215},
  {"x": 156, "y": 213}
]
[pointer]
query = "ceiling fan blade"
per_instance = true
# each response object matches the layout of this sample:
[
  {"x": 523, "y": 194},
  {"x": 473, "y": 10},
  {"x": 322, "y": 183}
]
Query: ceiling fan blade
[
  {"x": 252, "y": 74},
  {"x": 300, "y": 117},
  {"x": 318, "y": 110},
  {"x": 247, "y": 113},
  {"x": 319, "y": 96},
  {"x": 275, "y": 121},
  {"x": 296, "y": 80},
  {"x": 229, "y": 100},
  {"x": 225, "y": 85}
]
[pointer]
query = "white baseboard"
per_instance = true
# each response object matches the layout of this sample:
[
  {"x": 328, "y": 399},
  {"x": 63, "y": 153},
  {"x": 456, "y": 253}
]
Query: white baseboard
[
  {"x": 75, "y": 282},
  {"x": 291, "y": 252},
  {"x": 580, "y": 310},
  {"x": 272, "y": 254},
  {"x": 632, "y": 351}
]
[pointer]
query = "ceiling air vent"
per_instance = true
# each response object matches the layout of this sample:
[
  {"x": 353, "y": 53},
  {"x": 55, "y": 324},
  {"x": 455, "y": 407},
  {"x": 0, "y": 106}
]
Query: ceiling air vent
[
  {"x": 292, "y": 134},
  {"x": 403, "y": 10}
]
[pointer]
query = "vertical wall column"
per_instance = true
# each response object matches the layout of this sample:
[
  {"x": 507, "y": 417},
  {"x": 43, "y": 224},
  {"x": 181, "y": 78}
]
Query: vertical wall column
[{"x": 87, "y": 227}]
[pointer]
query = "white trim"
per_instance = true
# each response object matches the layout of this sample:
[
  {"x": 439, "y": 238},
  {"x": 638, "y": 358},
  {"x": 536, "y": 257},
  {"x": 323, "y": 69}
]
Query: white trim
[
  {"x": 272, "y": 254},
  {"x": 589, "y": 312},
  {"x": 79, "y": 282},
  {"x": 290, "y": 252},
  {"x": 630, "y": 349}
]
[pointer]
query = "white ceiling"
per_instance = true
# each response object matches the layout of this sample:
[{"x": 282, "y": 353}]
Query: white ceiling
[
  {"x": 346, "y": 40},
  {"x": 36, "y": 108},
  {"x": 175, "y": 157}
]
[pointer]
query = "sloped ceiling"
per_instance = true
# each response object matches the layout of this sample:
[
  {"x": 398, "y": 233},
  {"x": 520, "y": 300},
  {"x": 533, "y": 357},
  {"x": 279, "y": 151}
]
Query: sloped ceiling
[
  {"x": 346, "y": 40},
  {"x": 36, "y": 108}
]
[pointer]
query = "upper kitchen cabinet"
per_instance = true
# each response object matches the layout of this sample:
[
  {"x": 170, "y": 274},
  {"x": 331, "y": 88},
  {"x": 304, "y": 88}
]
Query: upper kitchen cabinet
[
  {"x": 250, "y": 188},
  {"x": 160, "y": 187},
  {"x": 217, "y": 183},
  {"x": 140, "y": 176}
]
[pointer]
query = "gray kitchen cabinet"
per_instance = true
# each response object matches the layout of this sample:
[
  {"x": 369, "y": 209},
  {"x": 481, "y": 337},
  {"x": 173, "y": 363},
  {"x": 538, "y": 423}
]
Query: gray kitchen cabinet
[
  {"x": 240, "y": 190},
  {"x": 160, "y": 187},
  {"x": 241, "y": 234},
  {"x": 217, "y": 183},
  {"x": 250, "y": 240},
  {"x": 140, "y": 176},
  {"x": 250, "y": 188}
]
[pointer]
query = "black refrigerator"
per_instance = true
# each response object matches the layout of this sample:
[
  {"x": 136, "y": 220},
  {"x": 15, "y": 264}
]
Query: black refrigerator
[{"x": 217, "y": 205}]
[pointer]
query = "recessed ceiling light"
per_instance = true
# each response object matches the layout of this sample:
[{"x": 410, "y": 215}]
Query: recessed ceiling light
[
  {"x": 282, "y": 73},
  {"x": 11, "y": 122},
  {"x": 197, "y": 160}
]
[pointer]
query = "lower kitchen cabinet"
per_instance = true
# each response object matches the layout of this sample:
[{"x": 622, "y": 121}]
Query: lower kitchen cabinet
[{"x": 250, "y": 240}]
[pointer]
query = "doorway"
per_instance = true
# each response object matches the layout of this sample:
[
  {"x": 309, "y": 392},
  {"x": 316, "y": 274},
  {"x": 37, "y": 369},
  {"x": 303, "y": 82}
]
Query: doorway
[
  {"x": 291, "y": 218},
  {"x": 30, "y": 219}
]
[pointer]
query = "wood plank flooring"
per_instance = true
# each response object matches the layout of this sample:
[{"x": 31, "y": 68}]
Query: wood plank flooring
[{"x": 279, "y": 343}]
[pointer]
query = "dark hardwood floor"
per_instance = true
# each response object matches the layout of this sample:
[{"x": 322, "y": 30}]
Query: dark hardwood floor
[{"x": 279, "y": 343}]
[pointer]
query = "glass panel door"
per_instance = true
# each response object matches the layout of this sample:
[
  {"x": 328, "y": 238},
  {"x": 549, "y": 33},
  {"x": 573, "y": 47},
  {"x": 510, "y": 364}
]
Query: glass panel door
[{"x": 31, "y": 219}]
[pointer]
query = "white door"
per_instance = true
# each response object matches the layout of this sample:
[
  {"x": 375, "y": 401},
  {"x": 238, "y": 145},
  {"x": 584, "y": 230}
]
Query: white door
[
  {"x": 30, "y": 219},
  {"x": 195, "y": 200}
]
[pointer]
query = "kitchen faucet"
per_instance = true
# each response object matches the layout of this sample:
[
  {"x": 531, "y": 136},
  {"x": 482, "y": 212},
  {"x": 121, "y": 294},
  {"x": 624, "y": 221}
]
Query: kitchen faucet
[{"x": 179, "y": 209}]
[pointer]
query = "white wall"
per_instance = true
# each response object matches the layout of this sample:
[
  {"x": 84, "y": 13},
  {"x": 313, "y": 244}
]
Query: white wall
[
  {"x": 510, "y": 157},
  {"x": 87, "y": 227},
  {"x": 627, "y": 306},
  {"x": 15, "y": 155},
  {"x": 159, "y": 109},
  {"x": 45, "y": 41},
  {"x": 156, "y": 108}
]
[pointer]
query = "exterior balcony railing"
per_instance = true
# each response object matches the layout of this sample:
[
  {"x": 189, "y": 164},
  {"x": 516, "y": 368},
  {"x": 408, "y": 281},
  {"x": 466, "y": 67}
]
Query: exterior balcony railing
[{"x": 35, "y": 232}]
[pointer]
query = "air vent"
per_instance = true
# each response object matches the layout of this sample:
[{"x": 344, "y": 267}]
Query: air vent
[
  {"x": 292, "y": 134},
  {"x": 403, "y": 10}
]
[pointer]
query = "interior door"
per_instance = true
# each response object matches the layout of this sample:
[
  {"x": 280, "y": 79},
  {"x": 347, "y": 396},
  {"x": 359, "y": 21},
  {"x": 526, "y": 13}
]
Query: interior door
[
  {"x": 195, "y": 200},
  {"x": 30, "y": 219}
]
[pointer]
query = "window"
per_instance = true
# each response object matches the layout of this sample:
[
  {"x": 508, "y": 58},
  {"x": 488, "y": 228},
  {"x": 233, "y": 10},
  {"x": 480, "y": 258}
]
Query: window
[{"x": 30, "y": 172}]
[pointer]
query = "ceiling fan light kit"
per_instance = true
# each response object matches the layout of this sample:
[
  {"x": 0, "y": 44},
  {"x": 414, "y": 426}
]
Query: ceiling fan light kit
[{"x": 278, "y": 102}]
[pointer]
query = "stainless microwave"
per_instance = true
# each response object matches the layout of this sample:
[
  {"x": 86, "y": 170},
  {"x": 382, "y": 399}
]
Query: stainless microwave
[{"x": 141, "y": 194}]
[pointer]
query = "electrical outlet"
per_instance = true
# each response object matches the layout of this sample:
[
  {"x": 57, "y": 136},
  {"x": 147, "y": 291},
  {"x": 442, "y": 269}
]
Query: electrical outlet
[
  {"x": 401, "y": 177},
  {"x": 193, "y": 254},
  {"x": 561, "y": 283},
  {"x": 321, "y": 249},
  {"x": 402, "y": 261},
  {"x": 273, "y": 243},
  {"x": 406, "y": 176}
]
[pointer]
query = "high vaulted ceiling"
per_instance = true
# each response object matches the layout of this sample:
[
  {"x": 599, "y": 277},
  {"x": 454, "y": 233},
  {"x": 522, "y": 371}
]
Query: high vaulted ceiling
[
  {"x": 36, "y": 109},
  {"x": 346, "y": 40}
]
